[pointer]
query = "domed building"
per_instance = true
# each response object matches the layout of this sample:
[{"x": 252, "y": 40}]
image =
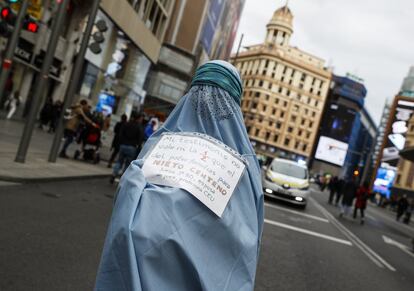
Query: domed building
[{"x": 285, "y": 90}]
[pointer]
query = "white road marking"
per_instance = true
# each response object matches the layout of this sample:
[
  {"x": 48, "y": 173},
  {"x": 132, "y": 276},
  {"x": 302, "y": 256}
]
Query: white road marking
[
  {"x": 399, "y": 245},
  {"x": 309, "y": 232},
  {"x": 297, "y": 213},
  {"x": 373, "y": 256}
]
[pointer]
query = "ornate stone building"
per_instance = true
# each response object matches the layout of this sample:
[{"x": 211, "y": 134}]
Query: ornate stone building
[{"x": 285, "y": 92}]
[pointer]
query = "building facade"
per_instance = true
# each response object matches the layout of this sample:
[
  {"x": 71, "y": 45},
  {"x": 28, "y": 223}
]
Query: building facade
[
  {"x": 404, "y": 182},
  {"x": 347, "y": 133},
  {"x": 285, "y": 91},
  {"x": 136, "y": 31},
  {"x": 199, "y": 30}
]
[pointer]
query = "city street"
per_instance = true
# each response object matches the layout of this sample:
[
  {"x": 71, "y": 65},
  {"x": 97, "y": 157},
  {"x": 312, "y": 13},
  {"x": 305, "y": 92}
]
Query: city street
[{"x": 52, "y": 235}]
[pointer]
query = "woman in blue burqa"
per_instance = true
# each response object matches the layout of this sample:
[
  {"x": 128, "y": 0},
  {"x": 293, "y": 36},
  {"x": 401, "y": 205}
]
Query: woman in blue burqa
[{"x": 162, "y": 238}]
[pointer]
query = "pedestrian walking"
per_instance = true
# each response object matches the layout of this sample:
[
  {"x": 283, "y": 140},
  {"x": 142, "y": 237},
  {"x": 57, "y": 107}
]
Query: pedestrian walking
[
  {"x": 348, "y": 194},
  {"x": 77, "y": 115},
  {"x": 12, "y": 104},
  {"x": 340, "y": 185},
  {"x": 115, "y": 141},
  {"x": 362, "y": 195},
  {"x": 46, "y": 113},
  {"x": 131, "y": 136},
  {"x": 333, "y": 188},
  {"x": 402, "y": 206},
  {"x": 163, "y": 238},
  {"x": 56, "y": 112},
  {"x": 408, "y": 212},
  {"x": 149, "y": 129}
]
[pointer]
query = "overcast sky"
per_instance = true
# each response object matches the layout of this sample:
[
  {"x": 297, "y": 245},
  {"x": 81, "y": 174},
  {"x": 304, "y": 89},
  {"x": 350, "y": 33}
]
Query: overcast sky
[{"x": 373, "y": 39}]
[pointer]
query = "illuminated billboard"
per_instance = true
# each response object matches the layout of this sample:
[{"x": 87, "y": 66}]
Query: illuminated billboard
[
  {"x": 331, "y": 150},
  {"x": 395, "y": 137}
]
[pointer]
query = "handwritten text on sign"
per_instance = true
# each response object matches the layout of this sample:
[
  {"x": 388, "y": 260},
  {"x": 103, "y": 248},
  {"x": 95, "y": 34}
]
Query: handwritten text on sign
[{"x": 197, "y": 163}]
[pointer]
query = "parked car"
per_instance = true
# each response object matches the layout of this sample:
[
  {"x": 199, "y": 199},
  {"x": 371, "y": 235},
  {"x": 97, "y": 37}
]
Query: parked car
[{"x": 288, "y": 181}]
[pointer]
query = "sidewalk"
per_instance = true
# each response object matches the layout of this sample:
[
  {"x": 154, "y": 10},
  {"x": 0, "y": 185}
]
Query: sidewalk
[{"x": 37, "y": 168}]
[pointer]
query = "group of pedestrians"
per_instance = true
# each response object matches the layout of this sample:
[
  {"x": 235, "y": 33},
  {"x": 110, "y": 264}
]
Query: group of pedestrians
[
  {"x": 349, "y": 191},
  {"x": 343, "y": 193}
]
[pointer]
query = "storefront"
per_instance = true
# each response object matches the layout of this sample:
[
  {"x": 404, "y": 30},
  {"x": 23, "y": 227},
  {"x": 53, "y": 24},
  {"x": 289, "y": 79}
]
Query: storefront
[{"x": 114, "y": 79}]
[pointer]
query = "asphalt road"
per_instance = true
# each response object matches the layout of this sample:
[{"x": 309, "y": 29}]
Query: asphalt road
[{"x": 51, "y": 237}]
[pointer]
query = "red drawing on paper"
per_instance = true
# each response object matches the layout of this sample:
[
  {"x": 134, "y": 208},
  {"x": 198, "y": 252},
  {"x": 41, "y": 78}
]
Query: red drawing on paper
[{"x": 204, "y": 156}]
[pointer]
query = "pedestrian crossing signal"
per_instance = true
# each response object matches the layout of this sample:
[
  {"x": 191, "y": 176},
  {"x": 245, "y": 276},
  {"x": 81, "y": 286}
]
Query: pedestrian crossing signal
[{"x": 32, "y": 26}]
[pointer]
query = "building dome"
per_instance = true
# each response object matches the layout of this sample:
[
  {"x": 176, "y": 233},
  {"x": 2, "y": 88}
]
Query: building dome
[
  {"x": 280, "y": 27},
  {"x": 282, "y": 17}
]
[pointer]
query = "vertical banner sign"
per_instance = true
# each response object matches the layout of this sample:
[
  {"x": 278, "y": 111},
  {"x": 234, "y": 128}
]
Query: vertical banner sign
[{"x": 197, "y": 163}]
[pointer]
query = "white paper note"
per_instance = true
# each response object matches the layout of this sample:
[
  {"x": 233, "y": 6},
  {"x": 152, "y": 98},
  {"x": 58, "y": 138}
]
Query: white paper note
[{"x": 203, "y": 166}]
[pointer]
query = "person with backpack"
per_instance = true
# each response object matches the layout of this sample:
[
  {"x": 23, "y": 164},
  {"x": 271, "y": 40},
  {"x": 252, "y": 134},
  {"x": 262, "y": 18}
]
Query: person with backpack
[{"x": 361, "y": 195}]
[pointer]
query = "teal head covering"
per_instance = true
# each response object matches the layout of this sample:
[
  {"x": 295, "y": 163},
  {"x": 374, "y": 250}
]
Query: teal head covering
[{"x": 220, "y": 74}]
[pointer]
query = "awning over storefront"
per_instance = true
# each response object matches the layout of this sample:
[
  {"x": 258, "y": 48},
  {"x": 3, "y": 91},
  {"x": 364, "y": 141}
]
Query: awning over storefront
[{"x": 408, "y": 153}]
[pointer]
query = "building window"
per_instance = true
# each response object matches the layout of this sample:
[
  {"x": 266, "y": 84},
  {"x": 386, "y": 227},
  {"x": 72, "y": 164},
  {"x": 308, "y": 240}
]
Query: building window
[
  {"x": 257, "y": 94},
  {"x": 257, "y": 132},
  {"x": 305, "y": 147},
  {"x": 282, "y": 114},
  {"x": 154, "y": 14},
  {"x": 261, "y": 84},
  {"x": 286, "y": 142},
  {"x": 267, "y": 135},
  {"x": 274, "y": 111},
  {"x": 254, "y": 106},
  {"x": 285, "y": 103},
  {"x": 308, "y": 135},
  {"x": 293, "y": 118},
  {"x": 290, "y": 129},
  {"x": 297, "y": 144},
  {"x": 295, "y": 108},
  {"x": 267, "y": 97},
  {"x": 303, "y": 121},
  {"x": 311, "y": 124},
  {"x": 278, "y": 125},
  {"x": 300, "y": 132},
  {"x": 276, "y": 138},
  {"x": 280, "y": 89},
  {"x": 270, "y": 86}
]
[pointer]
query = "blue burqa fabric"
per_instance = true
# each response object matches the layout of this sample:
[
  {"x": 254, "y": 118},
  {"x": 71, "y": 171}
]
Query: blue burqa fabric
[{"x": 163, "y": 238}]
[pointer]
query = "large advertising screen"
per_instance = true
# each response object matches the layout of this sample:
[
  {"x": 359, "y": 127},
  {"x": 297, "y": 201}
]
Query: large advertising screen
[
  {"x": 395, "y": 137},
  {"x": 331, "y": 150},
  {"x": 335, "y": 134},
  {"x": 384, "y": 180}
]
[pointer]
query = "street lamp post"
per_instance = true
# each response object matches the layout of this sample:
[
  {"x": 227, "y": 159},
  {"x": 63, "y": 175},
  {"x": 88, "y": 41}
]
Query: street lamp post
[
  {"x": 11, "y": 47},
  {"x": 74, "y": 80},
  {"x": 42, "y": 81}
]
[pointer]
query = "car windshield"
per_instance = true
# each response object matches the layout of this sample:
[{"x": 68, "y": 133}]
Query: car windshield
[{"x": 289, "y": 170}]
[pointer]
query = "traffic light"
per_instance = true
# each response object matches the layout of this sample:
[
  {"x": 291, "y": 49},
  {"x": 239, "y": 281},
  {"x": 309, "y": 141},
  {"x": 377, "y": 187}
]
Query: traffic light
[
  {"x": 30, "y": 24},
  {"x": 98, "y": 36},
  {"x": 8, "y": 19}
]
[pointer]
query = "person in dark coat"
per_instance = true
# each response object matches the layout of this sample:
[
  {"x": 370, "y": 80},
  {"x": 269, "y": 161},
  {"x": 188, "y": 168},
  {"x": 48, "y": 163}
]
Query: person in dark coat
[
  {"x": 348, "y": 194},
  {"x": 340, "y": 185},
  {"x": 56, "y": 112},
  {"x": 333, "y": 187},
  {"x": 131, "y": 137},
  {"x": 362, "y": 195},
  {"x": 46, "y": 113},
  {"x": 402, "y": 206},
  {"x": 115, "y": 142}
]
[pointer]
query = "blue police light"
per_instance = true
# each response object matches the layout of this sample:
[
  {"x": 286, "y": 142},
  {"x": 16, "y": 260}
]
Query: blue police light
[{"x": 13, "y": 1}]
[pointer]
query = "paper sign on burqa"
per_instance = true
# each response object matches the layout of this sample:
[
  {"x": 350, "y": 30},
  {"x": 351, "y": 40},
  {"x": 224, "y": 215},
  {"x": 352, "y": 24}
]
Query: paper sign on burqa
[{"x": 197, "y": 163}]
